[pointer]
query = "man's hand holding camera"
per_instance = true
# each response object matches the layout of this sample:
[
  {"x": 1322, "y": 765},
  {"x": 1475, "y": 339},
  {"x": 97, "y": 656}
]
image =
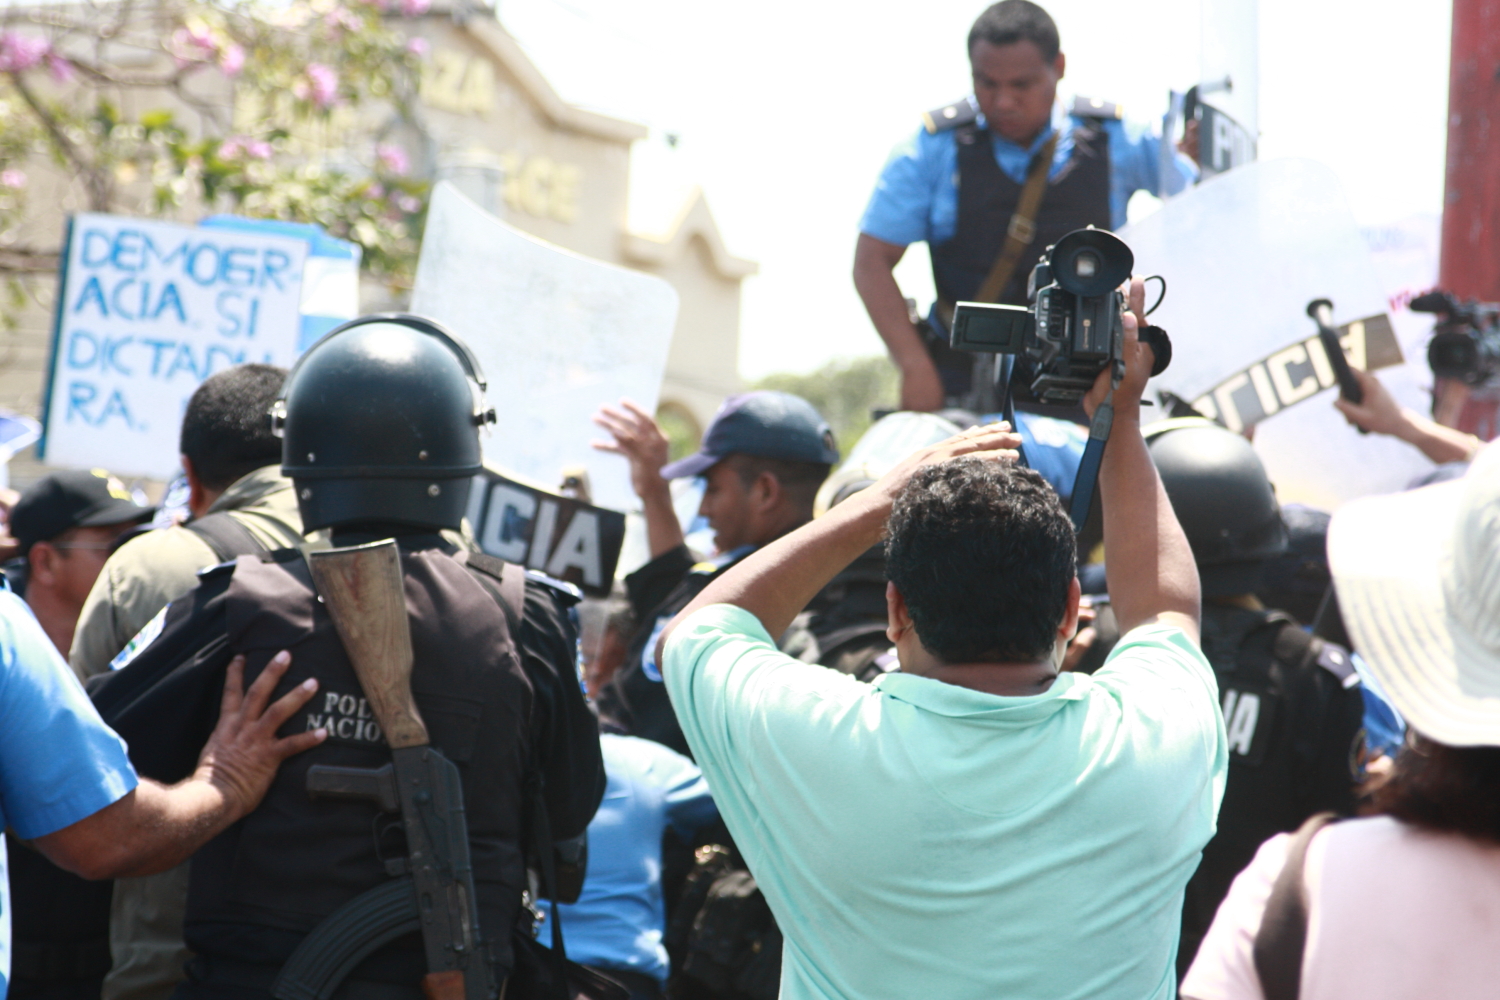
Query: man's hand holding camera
[{"x": 1139, "y": 360}]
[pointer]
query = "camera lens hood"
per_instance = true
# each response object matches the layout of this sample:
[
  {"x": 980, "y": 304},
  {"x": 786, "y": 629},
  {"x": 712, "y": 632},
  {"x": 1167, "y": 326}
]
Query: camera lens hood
[{"x": 1106, "y": 260}]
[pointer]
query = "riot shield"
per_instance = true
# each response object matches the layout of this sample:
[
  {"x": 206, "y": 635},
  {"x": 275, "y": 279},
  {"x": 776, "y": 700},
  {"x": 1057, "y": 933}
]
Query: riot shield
[{"x": 1243, "y": 254}]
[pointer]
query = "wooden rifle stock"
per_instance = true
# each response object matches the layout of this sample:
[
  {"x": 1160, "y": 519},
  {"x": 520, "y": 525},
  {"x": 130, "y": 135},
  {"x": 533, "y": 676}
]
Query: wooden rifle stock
[{"x": 362, "y": 589}]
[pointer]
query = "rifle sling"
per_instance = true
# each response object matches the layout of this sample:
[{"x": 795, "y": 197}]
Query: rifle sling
[
  {"x": 541, "y": 826},
  {"x": 347, "y": 937}
]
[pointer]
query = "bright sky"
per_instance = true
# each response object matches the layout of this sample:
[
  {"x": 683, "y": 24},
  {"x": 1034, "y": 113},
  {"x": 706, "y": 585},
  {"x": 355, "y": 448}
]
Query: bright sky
[{"x": 786, "y": 110}]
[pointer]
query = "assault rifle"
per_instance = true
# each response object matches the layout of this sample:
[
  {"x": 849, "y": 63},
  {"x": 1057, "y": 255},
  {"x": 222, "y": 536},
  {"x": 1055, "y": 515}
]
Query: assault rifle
[{"x": 433, "y": 889}]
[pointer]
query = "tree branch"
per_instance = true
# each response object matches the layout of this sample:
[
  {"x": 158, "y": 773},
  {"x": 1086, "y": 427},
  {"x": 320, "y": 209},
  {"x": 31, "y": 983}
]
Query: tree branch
[
  {"x": 29, "y": 260},
  {"x": 98, "y": 188}
]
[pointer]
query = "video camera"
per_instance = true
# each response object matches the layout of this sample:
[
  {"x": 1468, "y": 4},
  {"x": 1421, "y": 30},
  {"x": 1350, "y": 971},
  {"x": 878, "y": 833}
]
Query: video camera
[
  {"x": 1073, "y": 328},
  {"x": 1466, "y": 342}
]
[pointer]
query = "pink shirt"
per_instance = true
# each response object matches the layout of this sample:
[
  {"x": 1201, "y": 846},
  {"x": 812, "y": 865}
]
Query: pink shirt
[{"x": 1394, "y": 913}]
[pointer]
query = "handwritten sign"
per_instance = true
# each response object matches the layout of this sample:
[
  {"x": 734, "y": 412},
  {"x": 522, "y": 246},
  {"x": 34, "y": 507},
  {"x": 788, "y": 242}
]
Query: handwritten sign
[
  {"x": 562, "y": 537},
  {"x": 145, "y": 312},
  {"x": 1297, "y": 373},
  {"x": 557, "y": 333}
]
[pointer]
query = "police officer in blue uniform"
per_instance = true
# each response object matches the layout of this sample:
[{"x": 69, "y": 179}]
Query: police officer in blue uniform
[{"x": 957, "y": 185}]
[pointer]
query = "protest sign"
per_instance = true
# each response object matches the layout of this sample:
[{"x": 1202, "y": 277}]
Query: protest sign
[
  {"x": 562, "y": 537},
  {"x": 558, "y": 334},
  {"x": 1243, "y": 254},
  {"x": 330, "y": 276},
  {"x": 145, "y": 312}
]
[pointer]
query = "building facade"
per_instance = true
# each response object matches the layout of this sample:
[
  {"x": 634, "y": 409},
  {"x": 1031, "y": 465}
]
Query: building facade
[{"x": 487, "y": 121}]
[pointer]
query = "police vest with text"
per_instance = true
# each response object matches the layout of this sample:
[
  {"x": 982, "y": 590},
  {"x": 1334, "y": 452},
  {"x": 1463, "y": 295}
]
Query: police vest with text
[
  {"x": 1249, "y": 653},
  {"x": 259, "y": 887}
]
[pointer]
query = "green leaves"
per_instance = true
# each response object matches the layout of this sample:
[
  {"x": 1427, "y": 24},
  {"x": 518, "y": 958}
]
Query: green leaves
[{"x": 269, "y": 113}]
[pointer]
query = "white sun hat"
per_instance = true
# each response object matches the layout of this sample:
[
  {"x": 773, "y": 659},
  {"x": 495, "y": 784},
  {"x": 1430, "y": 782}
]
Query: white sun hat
[{"x": 1418, "y": 580}]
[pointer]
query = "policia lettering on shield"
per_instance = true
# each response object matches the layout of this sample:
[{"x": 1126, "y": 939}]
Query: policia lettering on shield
[
  {"x": 989, "y": 182},
  {"x": 381, "y": 424}
]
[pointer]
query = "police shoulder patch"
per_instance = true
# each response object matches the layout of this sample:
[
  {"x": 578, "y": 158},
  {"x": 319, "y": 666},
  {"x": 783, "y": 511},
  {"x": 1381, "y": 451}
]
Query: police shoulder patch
[
  {"x": 142, "y": 639},
  {"x": 951, "y": 116},
  {"x": 1336, "y": 660},
  {"x": 1092, "y": 107}
]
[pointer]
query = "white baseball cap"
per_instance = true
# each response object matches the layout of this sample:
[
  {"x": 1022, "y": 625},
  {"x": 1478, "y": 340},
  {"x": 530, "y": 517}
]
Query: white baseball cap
[{"x": 1418, "y": 580}]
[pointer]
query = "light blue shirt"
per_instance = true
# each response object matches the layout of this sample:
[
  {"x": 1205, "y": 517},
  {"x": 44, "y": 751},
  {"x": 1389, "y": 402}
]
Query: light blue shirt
[
  {"x": 59, "y": 762},
  {"x": 919, "y": 839},
  {"x": 916, "y": 197},
  {"x": 620, "y": 917}
]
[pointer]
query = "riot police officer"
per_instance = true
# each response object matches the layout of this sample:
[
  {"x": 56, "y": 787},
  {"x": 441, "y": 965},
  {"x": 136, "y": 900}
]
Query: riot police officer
[
  {"x": 380, "y": 422},
  {"x": 1293, "y": 711},
  {"x": 988, "y": 183}
]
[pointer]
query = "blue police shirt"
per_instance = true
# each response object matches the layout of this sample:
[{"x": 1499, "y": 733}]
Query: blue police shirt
[
  {"x": 59, "y": 762},
  {"x": 620, "y": 917},
  {"x": 916, "y": 198}
]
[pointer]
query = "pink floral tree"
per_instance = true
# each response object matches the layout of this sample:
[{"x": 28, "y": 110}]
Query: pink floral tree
[{"x": 178, "y": 108}]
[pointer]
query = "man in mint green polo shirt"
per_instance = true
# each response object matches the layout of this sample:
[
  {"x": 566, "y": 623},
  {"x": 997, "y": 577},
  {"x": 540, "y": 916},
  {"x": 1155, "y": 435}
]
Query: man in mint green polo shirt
[{"x": 978, "y": 825}]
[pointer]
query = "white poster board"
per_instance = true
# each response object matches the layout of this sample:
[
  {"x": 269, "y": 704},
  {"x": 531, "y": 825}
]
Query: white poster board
[
  {"x": 1243, "y": 254},
  {"x": 558, "y": 335},
  {"x": 145, "y": 312}
]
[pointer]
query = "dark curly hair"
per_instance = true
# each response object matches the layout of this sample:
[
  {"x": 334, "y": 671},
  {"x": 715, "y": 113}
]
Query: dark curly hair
[
  {"x": 226, "y": 430},
  {"x": 1012, "y": 21},
  {"x": 983, "y": 553},
  {"x": 1444, "y": 788}
]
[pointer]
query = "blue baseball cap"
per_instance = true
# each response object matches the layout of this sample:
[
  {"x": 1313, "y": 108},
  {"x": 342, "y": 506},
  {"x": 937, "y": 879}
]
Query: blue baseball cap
[{"x": 765, "y": 424}]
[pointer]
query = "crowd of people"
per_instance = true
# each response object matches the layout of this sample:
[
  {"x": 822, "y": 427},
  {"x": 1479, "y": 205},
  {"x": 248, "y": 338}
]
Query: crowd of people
[
  {"x": 903, "y": 731},
  {"x": 956, "y": 775}
]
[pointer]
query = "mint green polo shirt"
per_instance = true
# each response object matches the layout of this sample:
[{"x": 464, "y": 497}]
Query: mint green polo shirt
[{"x": 917, "y": 839}]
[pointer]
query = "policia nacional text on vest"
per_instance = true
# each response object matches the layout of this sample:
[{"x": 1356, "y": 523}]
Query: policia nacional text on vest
[{"x": 1077, "y": 197}]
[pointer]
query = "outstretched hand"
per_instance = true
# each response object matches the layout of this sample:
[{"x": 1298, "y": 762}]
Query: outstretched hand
[
  {"x": 637, "y": 436},
  {"x": 242, "y": 755}
]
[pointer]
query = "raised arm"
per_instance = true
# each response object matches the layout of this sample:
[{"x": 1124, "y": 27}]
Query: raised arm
[
  {"x": 1381, "y": 414},
  {"x": 1149, "y": 566},
  {"x": 638, "y": 437},
  {"x": 776, "y": 582}
]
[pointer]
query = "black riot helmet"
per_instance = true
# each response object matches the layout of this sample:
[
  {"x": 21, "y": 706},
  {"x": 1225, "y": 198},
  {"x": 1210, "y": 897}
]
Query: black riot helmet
[
  {"x": 380, "y": 425},
  {"x": 1223, "y": 500}
]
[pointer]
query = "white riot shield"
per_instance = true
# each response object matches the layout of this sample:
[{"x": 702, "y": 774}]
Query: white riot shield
[
  {"x": 1243, "y": 254},
  {"x": 558, "y": 334}
]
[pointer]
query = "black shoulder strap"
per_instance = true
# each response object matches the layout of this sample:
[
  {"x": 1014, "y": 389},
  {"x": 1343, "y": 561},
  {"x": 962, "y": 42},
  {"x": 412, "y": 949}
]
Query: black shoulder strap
[
  {"x": 226, "y": 536},
  {"x": 1282, "y": 938},
  {"x": 506, "y": 583}
]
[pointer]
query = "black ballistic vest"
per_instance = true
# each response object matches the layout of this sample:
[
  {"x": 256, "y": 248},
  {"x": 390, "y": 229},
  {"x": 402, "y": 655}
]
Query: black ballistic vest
[
  {"x": 259, "y": 887},
  {"x": 1296, "y": 738},
  {"x": 1077, "y": 197}
]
